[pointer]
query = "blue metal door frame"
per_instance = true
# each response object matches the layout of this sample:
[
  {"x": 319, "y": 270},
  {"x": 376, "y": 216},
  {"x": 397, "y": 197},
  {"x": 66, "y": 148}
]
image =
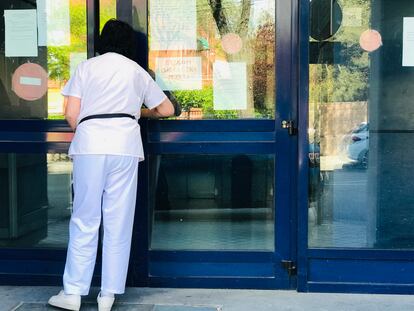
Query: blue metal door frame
[
  {"x": 214, "y": 268},
  {"x": 159, "y": 268},
  {"x": 33, "y": 266},
  {"x": 338, "y": 269},
  {"x": 37, "y": 266}
]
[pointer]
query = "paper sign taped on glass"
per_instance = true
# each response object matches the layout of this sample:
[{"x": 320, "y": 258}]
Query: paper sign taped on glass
[
  {"x": 230, "y": 85},
  {"x": 173, "y": 25},
  {"x": 178, "y": 73},
  {"x": 54, "y": 22},
  {"x": 20, "y": 33},
  {"x": 408, "y": 42}
]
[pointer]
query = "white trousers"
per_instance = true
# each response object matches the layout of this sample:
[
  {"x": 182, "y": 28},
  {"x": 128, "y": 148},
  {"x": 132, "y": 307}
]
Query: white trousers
[{"x": 104, "y": 186}]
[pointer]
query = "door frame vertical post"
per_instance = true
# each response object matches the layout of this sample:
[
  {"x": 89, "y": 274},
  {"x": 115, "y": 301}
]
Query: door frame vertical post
[
  {"x": 303, "y": 146},
  {"x": 92, "y": 18}
]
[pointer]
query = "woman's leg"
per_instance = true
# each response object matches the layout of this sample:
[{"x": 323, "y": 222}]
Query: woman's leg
[
  {"x": 89, "y": 173},
  {"x": 118, "y": 208}
]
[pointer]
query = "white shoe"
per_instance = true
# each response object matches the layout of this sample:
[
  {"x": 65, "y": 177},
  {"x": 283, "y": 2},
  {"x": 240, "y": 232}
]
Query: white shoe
[
  {"x": 105, "y": 303},
  {"x": 68, "y": 302}
]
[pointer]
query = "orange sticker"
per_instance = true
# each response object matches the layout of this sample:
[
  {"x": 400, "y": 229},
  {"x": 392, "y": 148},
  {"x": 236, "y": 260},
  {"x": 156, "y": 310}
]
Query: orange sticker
[
  {"x": 231, "y": 43},
  {"x": 370, "y": 40},
  {"x": 29, "y": 81}
]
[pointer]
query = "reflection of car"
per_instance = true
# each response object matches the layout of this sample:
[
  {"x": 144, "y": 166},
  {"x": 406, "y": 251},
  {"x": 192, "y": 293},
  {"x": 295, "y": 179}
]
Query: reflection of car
[{"x": 357, "y": 148}]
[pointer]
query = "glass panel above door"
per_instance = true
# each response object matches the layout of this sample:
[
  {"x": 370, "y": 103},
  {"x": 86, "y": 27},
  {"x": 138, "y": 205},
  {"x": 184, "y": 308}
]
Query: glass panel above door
[
  {"x": 37, "y": 57},
  {"x": 216, "y": 57}
]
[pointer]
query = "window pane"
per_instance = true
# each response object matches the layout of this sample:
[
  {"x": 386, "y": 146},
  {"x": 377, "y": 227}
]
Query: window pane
[
  {"x": 212, "y": 202},
  {"x": 35, "y": 200},
  {"x": 32, "y": 78},
  {"x": 218, "y": 61},
  {"x": 361, "y": 125},
  {"x": 107, "y": 10}
]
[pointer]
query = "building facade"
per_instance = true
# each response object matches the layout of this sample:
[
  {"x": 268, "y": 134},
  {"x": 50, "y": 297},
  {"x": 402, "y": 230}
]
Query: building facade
[{"x": 289, "y": 168}]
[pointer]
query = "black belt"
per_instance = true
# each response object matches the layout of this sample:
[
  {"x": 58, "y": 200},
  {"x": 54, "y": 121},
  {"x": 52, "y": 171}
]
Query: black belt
[{"x": 107, "y": 116}]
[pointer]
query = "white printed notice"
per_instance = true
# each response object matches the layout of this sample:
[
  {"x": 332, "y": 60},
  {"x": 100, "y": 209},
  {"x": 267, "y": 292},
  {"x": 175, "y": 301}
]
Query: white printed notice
[
  {"x": 20, "y": 33},
  {"x": 173, "y": 25},
  {"x": 230, "y": 86},
  {"x": 408, "y": 42},
  {"x": 178, "y": 73},
  {"x": 53, "y": 18}
]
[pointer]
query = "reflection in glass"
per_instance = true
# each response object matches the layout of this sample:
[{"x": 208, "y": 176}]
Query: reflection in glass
[
  {"x": 217, "y": 58},
  {"x": 212, "y": 202},
  {"x": 35, "y": 200},
  {"x": 360, "y": 129},
  {"x": 107, "y": 10},
  {"x": 61, "y": 46}
]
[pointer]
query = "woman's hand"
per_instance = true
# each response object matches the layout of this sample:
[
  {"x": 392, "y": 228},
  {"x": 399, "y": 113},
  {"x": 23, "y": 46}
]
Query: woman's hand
[{"x": 165, "y": 109}]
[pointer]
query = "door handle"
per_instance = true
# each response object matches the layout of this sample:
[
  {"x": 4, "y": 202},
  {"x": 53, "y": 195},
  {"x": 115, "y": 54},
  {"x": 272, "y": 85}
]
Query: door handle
[{"x": 290, "y": 126}]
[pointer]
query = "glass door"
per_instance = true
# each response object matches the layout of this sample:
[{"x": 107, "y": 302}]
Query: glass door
[
  {"x": 36, "y": 60},
  {"x": 217, "y": 201},
  {"x": 217, "y": 209},
  {"x": 360, "y": 122}
]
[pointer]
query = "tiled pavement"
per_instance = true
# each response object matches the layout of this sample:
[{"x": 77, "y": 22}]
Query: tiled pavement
[
  {"x": 117, "y": 307},
  {"x": 157, "y": 299}
]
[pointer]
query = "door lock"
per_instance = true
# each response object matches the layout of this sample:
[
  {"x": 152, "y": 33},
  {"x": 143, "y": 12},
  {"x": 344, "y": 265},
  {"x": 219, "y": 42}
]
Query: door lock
[{"x": 289, "y": 125}]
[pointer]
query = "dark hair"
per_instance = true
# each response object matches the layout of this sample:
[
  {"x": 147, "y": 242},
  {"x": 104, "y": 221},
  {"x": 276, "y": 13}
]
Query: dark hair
[{"x": 117, "y": 37}]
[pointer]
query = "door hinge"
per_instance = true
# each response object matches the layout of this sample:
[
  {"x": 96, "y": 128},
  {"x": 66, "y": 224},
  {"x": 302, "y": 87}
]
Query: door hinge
[
  {"x": 290, "y": 126},
  {"x": 290, "y": 266}
]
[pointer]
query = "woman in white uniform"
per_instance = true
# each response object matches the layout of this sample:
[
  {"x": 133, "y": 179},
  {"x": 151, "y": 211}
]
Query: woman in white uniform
[{"x": 103, "y": 101}]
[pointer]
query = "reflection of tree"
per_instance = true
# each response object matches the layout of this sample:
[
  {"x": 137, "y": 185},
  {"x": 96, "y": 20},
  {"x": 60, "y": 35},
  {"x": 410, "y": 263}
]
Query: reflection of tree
[
  {"x": 58, "y": 57},
  {"x": 264, "y": 78},
  {"x": 219, "y": 16},
  {"x": 223, "y": 24},
  {"x": 257, "y": 52},
  {"x": 215, "y": 19},
  {"x": 345, "y": 79}
]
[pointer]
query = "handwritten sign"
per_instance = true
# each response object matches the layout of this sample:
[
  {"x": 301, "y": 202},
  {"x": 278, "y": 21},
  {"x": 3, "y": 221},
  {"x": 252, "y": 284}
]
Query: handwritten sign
[{"x": 178, "y": 73}]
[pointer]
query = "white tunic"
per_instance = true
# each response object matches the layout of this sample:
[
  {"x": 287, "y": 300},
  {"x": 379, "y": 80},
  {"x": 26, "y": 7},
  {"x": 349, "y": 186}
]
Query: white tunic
[{"x": 111, "y": 83}]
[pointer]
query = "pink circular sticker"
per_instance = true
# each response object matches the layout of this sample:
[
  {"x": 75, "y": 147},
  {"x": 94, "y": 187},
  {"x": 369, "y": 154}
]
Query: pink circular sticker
[
  {"x": 370, "y": 40},
  {"x": 231, "y": 43},
  {"x": 29, "y": 81}
]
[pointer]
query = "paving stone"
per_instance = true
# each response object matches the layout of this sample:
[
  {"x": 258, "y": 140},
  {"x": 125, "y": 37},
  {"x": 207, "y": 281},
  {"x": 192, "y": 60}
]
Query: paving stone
[
  {"x": 117, "y": 307},
  {"x": 86, "y": 307},
  {"x": 184, "y": 308}
]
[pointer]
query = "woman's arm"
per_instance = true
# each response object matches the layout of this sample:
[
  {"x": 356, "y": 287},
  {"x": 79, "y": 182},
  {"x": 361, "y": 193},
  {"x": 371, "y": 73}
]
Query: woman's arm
[
  {"x": 165, "y": 109},
  {"x": 71, "y": 106}
]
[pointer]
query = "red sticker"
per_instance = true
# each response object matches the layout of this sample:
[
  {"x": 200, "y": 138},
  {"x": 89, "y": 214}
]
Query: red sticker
[
  {"x": 231, "y": 43},
  {"x": 370, "y": 40},
  {"x": 30, "y": 81}
]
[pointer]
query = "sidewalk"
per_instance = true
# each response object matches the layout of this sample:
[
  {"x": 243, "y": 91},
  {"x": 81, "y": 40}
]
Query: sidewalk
[{"x": 153, "y": 299}]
